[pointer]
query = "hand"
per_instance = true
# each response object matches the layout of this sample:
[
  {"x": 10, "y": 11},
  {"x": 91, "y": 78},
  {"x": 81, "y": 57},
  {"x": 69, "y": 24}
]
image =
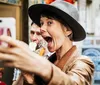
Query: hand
[
  {"x": 28, "y": 77},
  {"x": 20, "y": 56}
]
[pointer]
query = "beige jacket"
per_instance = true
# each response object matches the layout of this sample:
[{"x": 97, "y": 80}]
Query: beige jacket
[{"x": 77, "y": 70}]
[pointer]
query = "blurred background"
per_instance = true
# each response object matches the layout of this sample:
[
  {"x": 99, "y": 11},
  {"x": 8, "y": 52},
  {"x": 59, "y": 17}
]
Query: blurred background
[{"x": 13, "y": 15}]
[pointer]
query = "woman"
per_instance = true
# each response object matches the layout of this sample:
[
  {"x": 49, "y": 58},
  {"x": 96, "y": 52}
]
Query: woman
[{"x": 59, "y": 27}]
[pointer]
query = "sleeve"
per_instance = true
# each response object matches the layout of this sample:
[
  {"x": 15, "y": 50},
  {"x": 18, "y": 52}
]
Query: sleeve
[
  {"x": 19, "y": 80},
  {"x": 16, "y": 74},
  {"x": 79, "y": 73}
]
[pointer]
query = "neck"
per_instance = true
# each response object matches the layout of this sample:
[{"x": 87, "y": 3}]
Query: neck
[{"x": 63, "y": 49}]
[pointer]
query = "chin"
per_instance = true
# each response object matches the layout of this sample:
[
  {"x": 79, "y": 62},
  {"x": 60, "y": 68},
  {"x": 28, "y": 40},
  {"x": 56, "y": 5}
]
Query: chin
[{"x": 51, "y": 50}]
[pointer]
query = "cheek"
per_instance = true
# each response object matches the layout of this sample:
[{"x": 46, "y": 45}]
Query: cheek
[
  {"x": 31, "y": 37},
  {"x": 40, "y": 38},
  {"x": 60, "y": 37},
  {"x": 59, "y": 41}
]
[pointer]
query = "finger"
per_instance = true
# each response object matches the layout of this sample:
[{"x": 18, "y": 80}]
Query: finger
[
  {"x": 12, "y": 42},
  {"x": 28, "y": 77},
  {"x": 14, "y": 50},
  {"x": 23, "y": 45},
  {"x": 8, "y": 40},
  {"x": 5, "y": 49},
  {"x": 8, "y": 63},
  {"x": 6, "y": 57}
]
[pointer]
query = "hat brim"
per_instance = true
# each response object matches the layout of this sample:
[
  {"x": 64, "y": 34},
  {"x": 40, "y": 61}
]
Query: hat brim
[{"x": 35, "y": 13}]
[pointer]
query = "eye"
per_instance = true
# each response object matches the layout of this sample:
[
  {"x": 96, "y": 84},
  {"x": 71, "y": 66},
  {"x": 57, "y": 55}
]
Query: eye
[
  {"x": 50, "y": 23},
  {"x": 32, "y": 32}
]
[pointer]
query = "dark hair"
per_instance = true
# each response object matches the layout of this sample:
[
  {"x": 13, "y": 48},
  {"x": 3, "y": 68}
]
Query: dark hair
[{"x": 52, "y": 15}]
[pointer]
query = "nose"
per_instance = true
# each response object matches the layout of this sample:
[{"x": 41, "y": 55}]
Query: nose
[
  {"x": 34, "y": 37},
  {"x": 42, "y": 31}
]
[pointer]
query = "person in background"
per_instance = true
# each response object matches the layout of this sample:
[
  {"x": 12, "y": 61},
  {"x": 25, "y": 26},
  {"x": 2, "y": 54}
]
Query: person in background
[
  {"x": 35, "y": 37},
  {"x": 1, "y": 75},
  {"x": 37, "y": 43},
  {"x": 60, "y": 28}
]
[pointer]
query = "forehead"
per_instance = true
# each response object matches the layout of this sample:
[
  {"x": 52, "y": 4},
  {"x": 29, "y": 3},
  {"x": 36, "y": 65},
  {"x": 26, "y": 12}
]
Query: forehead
[{"x": 44, "y": 18}]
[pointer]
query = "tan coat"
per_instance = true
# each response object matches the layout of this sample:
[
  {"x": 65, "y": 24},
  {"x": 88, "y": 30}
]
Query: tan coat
[{"x": 77, "y": 70}]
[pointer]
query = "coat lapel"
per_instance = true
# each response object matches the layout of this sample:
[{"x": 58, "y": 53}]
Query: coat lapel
[{"x": 66, "y": 59}]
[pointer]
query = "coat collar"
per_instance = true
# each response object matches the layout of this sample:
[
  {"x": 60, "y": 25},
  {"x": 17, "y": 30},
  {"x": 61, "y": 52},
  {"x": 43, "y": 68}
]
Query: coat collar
[{"x": 67, "y": 58}]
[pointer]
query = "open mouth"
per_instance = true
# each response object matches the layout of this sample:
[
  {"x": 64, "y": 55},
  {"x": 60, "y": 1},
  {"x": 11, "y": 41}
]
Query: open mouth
[{"x": 48, "y": 39}]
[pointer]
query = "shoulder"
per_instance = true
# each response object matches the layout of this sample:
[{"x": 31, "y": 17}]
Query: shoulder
[
  {"x": 84, "y": 62},
  {"x": 84, "y": 59}
]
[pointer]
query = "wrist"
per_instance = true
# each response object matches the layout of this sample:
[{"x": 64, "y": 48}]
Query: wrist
[
  {"x": 28, "y": 78},
  {"x": 48, "y": 74}
]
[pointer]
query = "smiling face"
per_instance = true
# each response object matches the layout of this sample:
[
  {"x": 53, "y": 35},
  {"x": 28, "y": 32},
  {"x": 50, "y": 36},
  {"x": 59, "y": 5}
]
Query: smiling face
[{"x": 53, "y": 32}]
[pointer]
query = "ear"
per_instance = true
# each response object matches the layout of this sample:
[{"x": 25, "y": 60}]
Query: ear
[{"x": 68, "y": 32}]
